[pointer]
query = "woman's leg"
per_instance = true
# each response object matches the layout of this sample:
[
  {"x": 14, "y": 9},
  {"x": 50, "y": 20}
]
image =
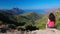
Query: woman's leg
[{"x": 46, "y": 26}]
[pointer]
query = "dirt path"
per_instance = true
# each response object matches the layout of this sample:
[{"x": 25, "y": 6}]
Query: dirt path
[{"x": 47, "y": 31}]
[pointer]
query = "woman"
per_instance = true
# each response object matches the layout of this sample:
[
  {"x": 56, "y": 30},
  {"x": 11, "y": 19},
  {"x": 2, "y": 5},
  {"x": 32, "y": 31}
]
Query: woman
[{"x": 51, "y": 21}]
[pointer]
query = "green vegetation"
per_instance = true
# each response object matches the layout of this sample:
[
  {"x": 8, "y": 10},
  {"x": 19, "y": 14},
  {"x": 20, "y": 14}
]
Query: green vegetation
[
  {"x": 23, "y": 22},
  {"x": 41, "y": 24},
  {"x": 27, "y": 21}
]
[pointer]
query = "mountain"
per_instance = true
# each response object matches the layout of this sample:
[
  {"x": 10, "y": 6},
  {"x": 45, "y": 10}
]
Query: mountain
[
  {"x": 31, "y": 17},
  {"x": 20, "y": 14},
  {"x": 17, "y": 18},
  {"x": 15, "y": 11},
  {"x": 18, "y": 11}
]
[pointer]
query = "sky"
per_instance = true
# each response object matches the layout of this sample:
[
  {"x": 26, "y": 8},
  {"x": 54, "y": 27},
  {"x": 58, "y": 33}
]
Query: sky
[{"x": 29, "y": 4}]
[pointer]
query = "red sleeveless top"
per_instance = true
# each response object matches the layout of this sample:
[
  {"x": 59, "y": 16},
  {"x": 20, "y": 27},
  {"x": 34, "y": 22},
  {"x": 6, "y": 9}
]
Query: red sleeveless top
[{"x": 51, "y": 24}]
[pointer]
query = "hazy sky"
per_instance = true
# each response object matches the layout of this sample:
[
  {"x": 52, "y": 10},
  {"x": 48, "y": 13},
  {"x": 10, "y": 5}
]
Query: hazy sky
[{"x": 29, "y": 4}]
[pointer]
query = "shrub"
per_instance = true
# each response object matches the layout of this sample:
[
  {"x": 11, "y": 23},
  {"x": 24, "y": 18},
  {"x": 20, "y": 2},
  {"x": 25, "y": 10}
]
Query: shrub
[{"x": 31, "y": 27}]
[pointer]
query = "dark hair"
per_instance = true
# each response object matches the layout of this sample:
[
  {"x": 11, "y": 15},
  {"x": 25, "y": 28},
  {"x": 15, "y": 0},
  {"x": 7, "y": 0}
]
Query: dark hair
[{"x": 51, "y": 17}]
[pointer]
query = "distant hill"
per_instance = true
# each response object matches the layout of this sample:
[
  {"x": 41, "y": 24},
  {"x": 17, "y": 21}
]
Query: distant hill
[
  {"x": 20, "y": 14},
  {"x": 15, "y": 11},
  {"x": 31, "y": 16}
]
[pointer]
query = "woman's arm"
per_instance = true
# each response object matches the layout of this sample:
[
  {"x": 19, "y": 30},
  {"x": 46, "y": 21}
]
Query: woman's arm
[{"x": 47, "y": 22}]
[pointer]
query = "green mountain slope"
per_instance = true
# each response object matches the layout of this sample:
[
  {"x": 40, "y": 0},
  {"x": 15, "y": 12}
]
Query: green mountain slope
[
  {"x": 22, "y": 21},
  {"x": 29, "y": 17},
  {"x": 42, "y": 24}
]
